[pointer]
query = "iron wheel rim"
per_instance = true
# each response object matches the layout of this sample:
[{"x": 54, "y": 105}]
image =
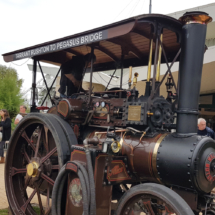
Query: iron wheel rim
[{"x": 16, "y": 170}]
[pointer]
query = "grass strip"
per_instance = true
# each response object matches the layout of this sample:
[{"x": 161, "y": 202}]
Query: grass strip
[{"x": 5, "y": 211}]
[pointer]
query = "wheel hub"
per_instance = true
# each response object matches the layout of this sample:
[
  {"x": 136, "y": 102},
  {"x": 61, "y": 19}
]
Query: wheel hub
[{"x": 32, "y": 169}]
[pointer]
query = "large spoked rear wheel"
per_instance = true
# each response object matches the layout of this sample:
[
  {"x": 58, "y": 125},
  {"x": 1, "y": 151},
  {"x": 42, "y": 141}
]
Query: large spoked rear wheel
[
  {"x": 152, "y": 199},
  {"x": 37, "y": 150}
]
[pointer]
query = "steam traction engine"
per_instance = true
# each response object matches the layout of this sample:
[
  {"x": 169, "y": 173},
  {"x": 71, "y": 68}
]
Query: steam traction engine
[{"x": 112, "y": 152}]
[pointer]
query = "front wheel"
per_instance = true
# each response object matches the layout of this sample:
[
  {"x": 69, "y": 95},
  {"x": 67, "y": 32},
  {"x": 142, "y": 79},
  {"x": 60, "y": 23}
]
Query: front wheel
[
  {"x": 38, "y": 148},
  {"x": 152, "y": 199}
]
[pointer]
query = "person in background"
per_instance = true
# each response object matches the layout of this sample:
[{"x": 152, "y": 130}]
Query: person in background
[
  {"x": 203, "y": 130},
  {"x": 72, "y": 73},
  {"x": 6, "y": 131},
  {"x": 22, "y": 113}
]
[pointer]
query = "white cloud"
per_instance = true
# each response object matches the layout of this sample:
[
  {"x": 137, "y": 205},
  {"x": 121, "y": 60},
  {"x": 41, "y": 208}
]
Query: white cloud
[{"x": 25, "y": 23}]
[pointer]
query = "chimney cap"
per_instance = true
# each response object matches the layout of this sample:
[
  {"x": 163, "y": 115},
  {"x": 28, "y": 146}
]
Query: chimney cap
[{"x": 195, "y": 17}]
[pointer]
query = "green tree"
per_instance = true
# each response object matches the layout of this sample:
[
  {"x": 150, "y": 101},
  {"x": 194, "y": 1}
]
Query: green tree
[{"x": 10, "y": 90}]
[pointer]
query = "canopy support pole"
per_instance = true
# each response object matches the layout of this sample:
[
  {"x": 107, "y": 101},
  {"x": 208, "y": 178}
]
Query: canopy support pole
[
  {"x": 121, "y": 77},
  {"x": 168, "y": 71},
  {"x": 45, "y": 82},
  {"x": 110, "y": 79},
  {"x": 91, "y": 74},
  {"x": 34, "y": 73},
  {"x": 155, "y": 65},
  {"x": 49, "y": 89}
]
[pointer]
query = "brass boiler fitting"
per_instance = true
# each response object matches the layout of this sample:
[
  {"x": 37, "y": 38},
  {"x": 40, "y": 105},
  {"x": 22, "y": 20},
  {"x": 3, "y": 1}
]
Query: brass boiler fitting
[
  {"x": 135, "y": 79},
  {"x": 150, "y": 61},
  {"x": 159, "y": 60}
]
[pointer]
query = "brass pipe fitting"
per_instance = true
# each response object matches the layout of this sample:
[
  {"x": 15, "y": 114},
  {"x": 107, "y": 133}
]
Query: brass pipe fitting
[
  {"x": 159, "y": 60},
  {"x": 150, "y": 61}
]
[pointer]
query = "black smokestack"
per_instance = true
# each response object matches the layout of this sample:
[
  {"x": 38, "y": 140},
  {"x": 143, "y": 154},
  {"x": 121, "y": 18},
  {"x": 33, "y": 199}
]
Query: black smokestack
[{"x": 190, "y": 70}]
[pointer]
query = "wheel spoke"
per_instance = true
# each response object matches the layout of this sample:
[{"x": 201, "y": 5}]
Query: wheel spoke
[
  {"x": 30, "y": 142},
  {"x": 47, "y": 200},
  {"x": 148, "y": 206},
  {"x": 38, "y": 143},
  {"x": 32, "y": 172},
  {"x": 46, "y": 142},
  {"x": 48, "y": 211},
  {"x": 40, "y": 202},
  {"x": 26, "y": 156},
  {"x": 23, "y": 208},
  {"x": 49, "y": 180},
  {"x": 55, "y": 166},
  {"x": 25, "y": 136},
  {"x": 15, "y": 171},
  {"x": 26, "y": 182},
  {"x": 48, "y": 155}
]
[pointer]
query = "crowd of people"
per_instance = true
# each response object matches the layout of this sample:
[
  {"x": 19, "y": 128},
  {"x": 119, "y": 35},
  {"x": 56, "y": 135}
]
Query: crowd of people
[{"x": 5, "y": 127}]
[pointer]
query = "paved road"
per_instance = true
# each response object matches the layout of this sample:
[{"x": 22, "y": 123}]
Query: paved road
[{"x": 3, "y": 199}]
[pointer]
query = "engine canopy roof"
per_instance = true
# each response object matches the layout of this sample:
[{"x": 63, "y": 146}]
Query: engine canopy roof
[{"x": 130, "y": 37}]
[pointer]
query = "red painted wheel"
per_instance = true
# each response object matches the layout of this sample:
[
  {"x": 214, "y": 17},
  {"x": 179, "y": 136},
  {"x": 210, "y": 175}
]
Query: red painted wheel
[
  {"x": 38, "y": 148},
  {"x": 152, "y": 199}
]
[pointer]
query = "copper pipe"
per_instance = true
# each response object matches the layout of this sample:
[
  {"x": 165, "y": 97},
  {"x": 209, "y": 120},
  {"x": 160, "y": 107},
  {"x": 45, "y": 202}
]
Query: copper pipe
[
  {"x": 105, "y": 132},
  {"x": 129, "y": 145},
  {"x": 150, "y": 61},
  {"x": 159, "y": 59}
]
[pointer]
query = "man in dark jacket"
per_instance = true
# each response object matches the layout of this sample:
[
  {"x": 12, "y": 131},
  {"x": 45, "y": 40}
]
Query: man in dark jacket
[
  {"x": 203, "y": 130},
  {"x": 72, "y": 73}
]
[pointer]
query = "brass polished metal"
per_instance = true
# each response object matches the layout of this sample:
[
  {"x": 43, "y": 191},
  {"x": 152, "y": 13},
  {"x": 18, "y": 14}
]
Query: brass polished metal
[
  {"x": 154, "y": 156},
  {"x": 116, "y": 146},
  {"x": 144, "y": 133},
  {"x": 121, "y": 141},
  {"x": 159, "y": 60},
  {"x": 150, "y": 114},
  {"x": 150, "y": 61},
  {"x": 130, "y": 74},
  {"x": 105, "y": 132},
  {"x": 135, "y": 79},
  {"x": 101, "y": 111},
  {"x": 134, "y": 113},
  {"x": 32, "y": 169},
  {"x": 195, "y": 18}
]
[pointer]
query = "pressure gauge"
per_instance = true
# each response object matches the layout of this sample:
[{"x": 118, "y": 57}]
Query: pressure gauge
[
  {"x": 97, "y": 104},
  {"x": 103, "y": 104}
]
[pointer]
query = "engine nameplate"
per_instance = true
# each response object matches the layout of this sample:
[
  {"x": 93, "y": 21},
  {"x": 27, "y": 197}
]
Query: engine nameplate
[{"x": 134, "y": 113}]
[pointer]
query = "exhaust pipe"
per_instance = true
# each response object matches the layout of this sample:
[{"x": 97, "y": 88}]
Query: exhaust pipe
[{"x": 190, "y": 70}]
